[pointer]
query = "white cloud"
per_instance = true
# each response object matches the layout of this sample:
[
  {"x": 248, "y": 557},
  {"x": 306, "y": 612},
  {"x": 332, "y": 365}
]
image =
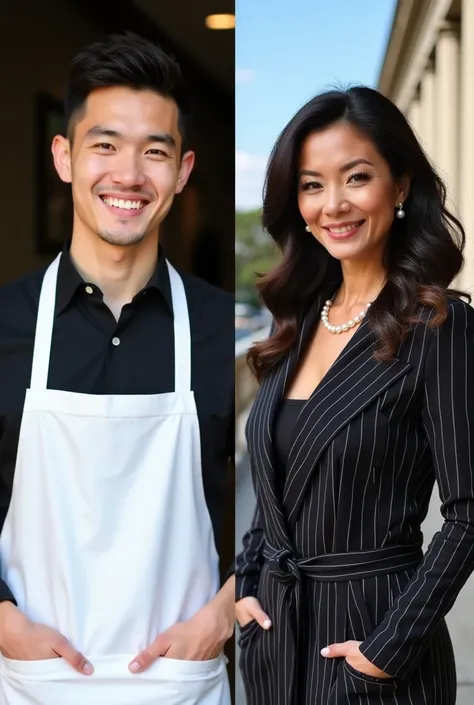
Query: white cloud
[
  {"x": 249, "y": 175},
  {"x": 244, "y": 76}
]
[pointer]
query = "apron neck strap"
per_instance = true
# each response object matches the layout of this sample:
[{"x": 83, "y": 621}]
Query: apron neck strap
[
  {"x": 45, "y": 324},
  {"x": 44, "y": 327},
  {"x": 182, "y": 333}
]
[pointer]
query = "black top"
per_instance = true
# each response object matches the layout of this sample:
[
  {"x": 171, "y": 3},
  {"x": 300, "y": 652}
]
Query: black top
[
  {"x": 285, "y": 420},
  {"x": 140, "y": 360}
]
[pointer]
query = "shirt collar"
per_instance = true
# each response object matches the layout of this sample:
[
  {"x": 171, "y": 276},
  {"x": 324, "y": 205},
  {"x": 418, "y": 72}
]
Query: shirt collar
[{"x": 69, "y": 280}]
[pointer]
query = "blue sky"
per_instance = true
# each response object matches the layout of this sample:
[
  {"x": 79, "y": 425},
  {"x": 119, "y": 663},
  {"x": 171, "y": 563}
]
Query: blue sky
[{"x": 286, "y": 52}]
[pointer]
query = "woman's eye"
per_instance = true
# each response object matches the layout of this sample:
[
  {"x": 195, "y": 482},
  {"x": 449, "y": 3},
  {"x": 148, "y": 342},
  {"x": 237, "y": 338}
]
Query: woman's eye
[
  {"x": 310, "y": 185},
  {"x": 360, "y": 176}
]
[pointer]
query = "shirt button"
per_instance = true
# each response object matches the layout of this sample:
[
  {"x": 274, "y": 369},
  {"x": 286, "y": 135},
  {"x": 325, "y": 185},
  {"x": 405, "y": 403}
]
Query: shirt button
[
  {"x": 115, "y": 341},
  {"x": 89, "y": 290}
]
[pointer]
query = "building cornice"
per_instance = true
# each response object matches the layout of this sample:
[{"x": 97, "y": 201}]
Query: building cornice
[{"x": 413, "y": 37}]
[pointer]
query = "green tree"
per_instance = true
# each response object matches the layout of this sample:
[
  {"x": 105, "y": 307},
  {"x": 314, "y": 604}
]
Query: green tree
[{"x": 255, "y": 252}]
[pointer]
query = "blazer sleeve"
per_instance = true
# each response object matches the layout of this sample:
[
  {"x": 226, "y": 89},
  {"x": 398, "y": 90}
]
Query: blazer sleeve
[
  {"x": 249, "y": 562},
  {"x": 397, "y": 644}
]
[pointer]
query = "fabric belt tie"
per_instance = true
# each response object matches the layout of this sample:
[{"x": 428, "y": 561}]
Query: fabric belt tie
[
  {"x": 285, "y": 567},
  {"x": 339, "y": 568}
]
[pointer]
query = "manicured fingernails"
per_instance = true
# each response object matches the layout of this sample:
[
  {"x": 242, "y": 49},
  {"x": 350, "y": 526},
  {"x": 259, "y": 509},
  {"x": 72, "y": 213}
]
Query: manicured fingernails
[
  {"x": 134, "y": 667},
  {"x": 325, "y": 651},
  {"x": 267, "y": 624},
  {"x": 87, "y": 669}
]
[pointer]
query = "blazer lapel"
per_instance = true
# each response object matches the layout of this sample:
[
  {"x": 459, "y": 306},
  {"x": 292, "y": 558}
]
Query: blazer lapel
[{"x": 351, "y": 384}]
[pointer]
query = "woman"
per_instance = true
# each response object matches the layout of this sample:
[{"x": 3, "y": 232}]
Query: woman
[{"x": 366, "y": 399}]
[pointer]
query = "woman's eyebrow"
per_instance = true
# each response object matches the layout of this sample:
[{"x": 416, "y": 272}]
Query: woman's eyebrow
[{"x": 346, "y": 167}]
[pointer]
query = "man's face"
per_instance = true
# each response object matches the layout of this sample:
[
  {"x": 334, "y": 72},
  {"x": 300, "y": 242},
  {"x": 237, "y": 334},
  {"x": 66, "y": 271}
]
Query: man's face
[{"x": 124, "y": 164}]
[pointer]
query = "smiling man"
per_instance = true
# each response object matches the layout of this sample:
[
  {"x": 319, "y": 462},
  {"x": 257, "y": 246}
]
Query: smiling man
[{"x": 116, "y": 399}]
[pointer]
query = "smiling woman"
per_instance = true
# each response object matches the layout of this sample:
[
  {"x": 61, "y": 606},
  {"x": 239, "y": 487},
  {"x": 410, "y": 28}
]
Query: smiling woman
[
  {"x": 366, "y": 400},
  {"x": 319, "y": 155}
]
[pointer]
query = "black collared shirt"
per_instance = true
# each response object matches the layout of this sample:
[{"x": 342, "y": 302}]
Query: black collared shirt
[{"x": 92, "y": 353}]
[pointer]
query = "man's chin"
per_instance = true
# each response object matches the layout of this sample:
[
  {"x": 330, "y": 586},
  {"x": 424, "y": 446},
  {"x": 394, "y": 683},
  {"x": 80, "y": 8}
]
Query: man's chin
[{"x": 121, "y": 239}]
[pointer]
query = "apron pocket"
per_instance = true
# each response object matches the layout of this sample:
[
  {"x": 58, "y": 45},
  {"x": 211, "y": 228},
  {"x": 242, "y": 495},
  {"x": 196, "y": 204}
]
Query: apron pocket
[
  {"x": 167, "y": 681},
  {"x": 177, "y": 668},
  {"x": 32, "y": 669}
]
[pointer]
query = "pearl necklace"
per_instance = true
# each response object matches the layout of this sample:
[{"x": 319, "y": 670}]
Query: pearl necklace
[{"x": 344, "y": 326}]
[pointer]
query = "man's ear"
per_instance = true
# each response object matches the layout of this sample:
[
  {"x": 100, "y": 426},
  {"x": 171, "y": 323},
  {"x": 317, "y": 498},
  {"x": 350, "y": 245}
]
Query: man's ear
[
  {"x": 61, "y": 149},
  {"x": 185, "y": 169}
]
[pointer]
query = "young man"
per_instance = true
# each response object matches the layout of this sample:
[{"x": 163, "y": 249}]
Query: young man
[{"x": 116, "y": 398}]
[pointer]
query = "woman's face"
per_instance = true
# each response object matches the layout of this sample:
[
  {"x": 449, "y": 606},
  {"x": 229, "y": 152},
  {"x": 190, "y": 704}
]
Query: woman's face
[{"x": 346, "y": 193}]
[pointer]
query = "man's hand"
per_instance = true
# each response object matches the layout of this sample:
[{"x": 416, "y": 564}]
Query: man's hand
[
  {"x": 24, "y": 640},
  {"x": 248, "y": 609},
  {"x": 351, "y": 652},
  {"x": 200, "y": 638}
]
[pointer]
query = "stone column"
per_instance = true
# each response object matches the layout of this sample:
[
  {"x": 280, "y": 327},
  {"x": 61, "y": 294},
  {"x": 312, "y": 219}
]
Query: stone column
[
  {"x": 447, "y": 109},
  {"x": 414, "y": 114},
  {"x": 466, "y": 181},
  {"x": 428, "y": 111}
]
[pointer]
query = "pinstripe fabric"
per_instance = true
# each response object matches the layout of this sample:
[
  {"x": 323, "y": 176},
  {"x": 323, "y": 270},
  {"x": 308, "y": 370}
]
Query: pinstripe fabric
[{"x": 367, "y": 448}]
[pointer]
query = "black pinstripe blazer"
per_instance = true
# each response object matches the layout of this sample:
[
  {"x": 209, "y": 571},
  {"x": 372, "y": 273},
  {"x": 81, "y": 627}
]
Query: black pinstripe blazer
[{"x": 367, "y": 449}]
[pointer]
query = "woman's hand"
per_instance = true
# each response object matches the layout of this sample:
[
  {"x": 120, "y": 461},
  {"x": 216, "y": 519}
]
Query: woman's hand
[
  {"x": 248, "y": 609},
  {"x": 351, "y": 652}
]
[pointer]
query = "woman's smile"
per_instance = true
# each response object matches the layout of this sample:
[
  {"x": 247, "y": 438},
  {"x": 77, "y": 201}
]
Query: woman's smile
[{"x": 344, "y": 231}]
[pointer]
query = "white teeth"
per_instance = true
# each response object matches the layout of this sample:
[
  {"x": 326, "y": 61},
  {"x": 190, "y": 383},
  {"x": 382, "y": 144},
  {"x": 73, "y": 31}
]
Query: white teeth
[
  {"x": 120, "y": 203},
  {"x": 345, "y": 229}
]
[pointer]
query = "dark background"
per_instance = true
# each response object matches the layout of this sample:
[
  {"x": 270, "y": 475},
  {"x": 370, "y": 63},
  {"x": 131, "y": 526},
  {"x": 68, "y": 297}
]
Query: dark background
[{"x": 38, "y": 41}]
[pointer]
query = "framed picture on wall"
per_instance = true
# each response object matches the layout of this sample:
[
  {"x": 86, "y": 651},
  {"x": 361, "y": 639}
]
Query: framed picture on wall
[{"x": 53, "y": 216}]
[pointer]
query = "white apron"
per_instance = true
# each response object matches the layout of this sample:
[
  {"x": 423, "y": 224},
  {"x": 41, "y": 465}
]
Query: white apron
[{"x": 108, "y": 538}]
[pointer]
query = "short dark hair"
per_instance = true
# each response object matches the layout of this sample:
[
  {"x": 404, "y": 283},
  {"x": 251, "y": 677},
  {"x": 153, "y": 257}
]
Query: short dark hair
[
  {"x": 124, "y": 60},
  {"x": 424, "y": 251}
]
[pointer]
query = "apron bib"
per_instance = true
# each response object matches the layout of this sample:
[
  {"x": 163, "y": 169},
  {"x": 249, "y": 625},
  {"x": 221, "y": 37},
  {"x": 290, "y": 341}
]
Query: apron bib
[{"x": 108, "y": 537}]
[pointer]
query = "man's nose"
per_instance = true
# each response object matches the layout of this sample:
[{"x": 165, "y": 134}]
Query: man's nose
[{"x": 128, "y": 171}]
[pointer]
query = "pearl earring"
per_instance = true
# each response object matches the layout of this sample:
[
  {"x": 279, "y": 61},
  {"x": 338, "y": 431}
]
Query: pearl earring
[
  {"x": 307, "y": 229},
  {"x": 400, "y": 212}
]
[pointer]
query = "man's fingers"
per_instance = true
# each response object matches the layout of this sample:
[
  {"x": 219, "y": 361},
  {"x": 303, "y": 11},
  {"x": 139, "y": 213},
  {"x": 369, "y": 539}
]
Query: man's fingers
[
  {"x": 79, "y": 662},
  {"x": 146, "y": 657}
]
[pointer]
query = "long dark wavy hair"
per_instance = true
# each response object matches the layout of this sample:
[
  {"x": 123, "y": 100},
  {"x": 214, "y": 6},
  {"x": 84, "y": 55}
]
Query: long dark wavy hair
[{"x": 423, "y": 252}]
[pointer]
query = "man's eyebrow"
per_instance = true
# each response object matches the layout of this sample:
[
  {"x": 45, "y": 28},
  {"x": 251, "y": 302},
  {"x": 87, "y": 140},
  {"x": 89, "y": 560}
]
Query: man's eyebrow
[
  {"x": 98, "y": 131},
  {"x": 164, "y": 137},
  {"x": 101, "y": 131},
  {"x": 346, "y": 167}
]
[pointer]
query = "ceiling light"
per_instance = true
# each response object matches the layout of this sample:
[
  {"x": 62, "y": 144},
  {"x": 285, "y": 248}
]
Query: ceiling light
[{"x": 220, "y": 21}]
